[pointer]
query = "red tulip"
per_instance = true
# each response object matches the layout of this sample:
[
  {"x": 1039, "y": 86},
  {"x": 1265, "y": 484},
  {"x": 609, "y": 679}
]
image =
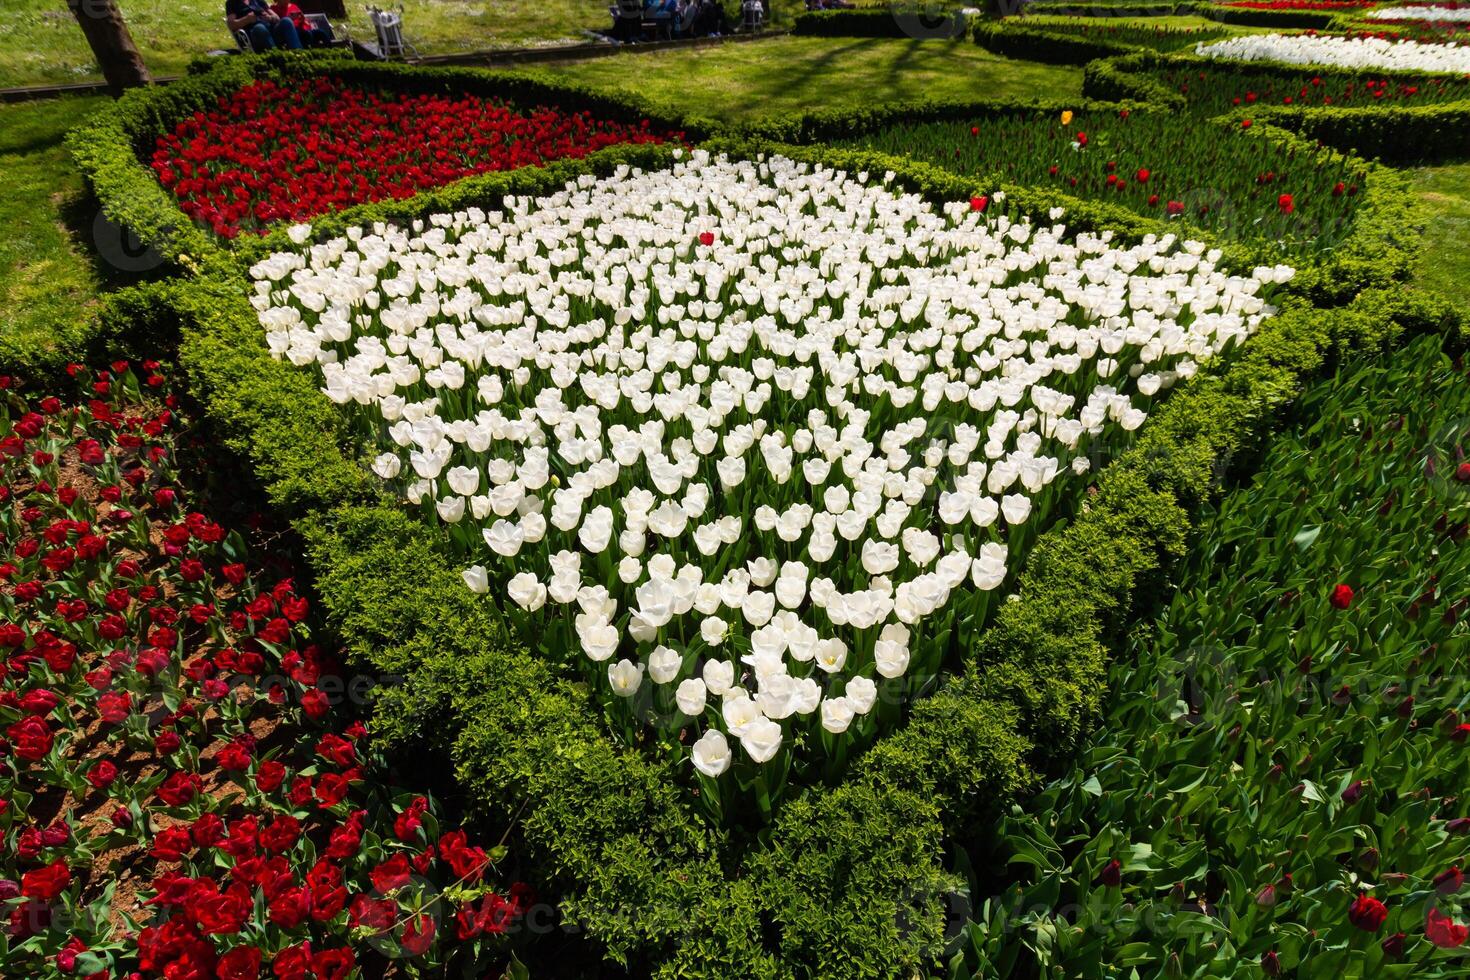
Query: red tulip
[
  {"x": 1342, "y": 596},
  {"x": 1449, "y": 881},
  {"x": 1367, "y": 913},
  {"x": 1445, "y": 932}
]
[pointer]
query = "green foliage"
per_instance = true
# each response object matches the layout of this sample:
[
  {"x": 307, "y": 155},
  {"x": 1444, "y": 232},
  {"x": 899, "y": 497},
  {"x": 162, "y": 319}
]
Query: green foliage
[
  {"x": 1020, "y": 40},
  {"x": 1280, "y": 19},
  {"x": 1222, "y": 778},
  {"x": 1131, "y": 35},
  {"x": 877, "y": 22},
  {"x": 1108, "y": 8}
]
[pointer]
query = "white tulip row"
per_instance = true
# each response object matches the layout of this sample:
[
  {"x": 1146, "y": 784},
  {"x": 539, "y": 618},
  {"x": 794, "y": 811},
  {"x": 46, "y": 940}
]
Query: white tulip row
[
  {"x": 754, "y": 433},
  {"x": 1446, "y": 14},
  {"x": 1341, "y": 52}
]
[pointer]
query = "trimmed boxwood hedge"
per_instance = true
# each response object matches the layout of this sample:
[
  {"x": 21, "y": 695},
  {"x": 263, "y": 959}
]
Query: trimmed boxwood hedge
[
  {"x": 1124, "y": 8},
  {"x": 849, "y": 880},
  {"x": 890, "y": 22},
  {"x": 1036, "y": 43},
  {"x": 1285, "y": 20},
  {"x": 1430, "y": 133}
]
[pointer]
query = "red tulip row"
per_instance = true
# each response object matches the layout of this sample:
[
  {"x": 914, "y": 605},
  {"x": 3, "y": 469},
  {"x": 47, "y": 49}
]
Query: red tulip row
[
  {"x": 269, "y": 153},
  {"x": 166, "y": 721},
  {"x": 1216, "y": 92}
]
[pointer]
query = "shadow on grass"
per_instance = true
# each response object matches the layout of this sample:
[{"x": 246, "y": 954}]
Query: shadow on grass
[{"x": 115, "y": 256}]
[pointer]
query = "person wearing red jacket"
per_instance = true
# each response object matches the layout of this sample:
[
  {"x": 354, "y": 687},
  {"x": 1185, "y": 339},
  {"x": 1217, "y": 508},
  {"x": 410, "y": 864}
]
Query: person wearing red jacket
[{"x": 311, "y": 36}]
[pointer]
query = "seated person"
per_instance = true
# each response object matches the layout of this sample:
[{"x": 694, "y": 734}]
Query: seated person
[
  {"x": 627, "y": 20},
  {"x": 311, "y": 37},
  {"x": 711, "y": 18},
  {"x": 661, "y": 13},
  {"x": 265, "y": 28}
]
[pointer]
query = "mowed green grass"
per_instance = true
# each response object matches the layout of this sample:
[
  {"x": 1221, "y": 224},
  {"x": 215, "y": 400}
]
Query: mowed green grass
[
  {"x": 40, "y": 42},
  {"x": 47, "y": 273},
  {"x": 745, "y": 81},
  {"x": 1444, "y": 261}
]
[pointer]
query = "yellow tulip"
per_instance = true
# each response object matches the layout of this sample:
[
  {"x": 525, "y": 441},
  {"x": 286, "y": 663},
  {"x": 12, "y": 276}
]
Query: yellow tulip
[{"x": 1066, "y": 116}]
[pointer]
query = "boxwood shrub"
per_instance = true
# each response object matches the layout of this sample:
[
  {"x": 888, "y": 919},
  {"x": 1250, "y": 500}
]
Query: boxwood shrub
[{"x": 885, "y": 21}]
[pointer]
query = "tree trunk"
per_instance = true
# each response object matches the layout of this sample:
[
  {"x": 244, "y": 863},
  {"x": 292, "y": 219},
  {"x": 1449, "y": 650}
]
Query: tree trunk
[{"x": 112, "y": 45}]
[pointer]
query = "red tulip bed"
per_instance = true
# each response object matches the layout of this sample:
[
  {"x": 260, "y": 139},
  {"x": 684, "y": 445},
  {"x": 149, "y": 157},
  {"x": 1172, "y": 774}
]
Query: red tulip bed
[
  {"x": 1153, "y": 164},
  {"x": 1212, "y": 92},
  {"x": 272, "y": 153},
  {"x": 1280, "y": 787},
  {"x": 181, "y": 792},
  {"x": 1421, "y": 31}
]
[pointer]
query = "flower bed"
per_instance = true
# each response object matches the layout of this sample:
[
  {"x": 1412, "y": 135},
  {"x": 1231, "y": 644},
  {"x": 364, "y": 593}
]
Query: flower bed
[
  {"x": 1426, "y": 125},
  {"x": 1448, "y": 12},
  {"x": 610, "y": 827},
  {"x": 1342, "y": 52},
  {"x": 1298, "y": 670},
  {"x": 1155, "y": 164},
  {"x": 737, "y": 528},
  {"x": 274, "y": 152},
  {"x": 1211, "y": 91},
  {"x": 165, "y": 710}
]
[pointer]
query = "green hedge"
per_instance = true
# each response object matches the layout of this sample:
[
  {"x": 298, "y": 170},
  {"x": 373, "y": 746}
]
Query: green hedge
[
  {"x": 1039, "y": 44},
  {"x": 895, "y": 22},
  {"x": 1319, "y": 20},
  {"x": 850, "y": 880},
  {"x": 1123, "y": 8}
]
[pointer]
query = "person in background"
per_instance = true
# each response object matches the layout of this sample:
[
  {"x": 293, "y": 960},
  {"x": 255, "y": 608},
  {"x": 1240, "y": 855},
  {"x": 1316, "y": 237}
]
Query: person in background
[
  {"x": 661, "y": 12},
  {"x": 711, "y": 19},
  {"x": 311, "y": 37},
  {"x": 265, "y": 28}
]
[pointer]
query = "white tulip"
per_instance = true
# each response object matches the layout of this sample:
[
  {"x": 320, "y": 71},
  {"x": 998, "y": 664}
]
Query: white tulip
[
  {"x": 625, "y": 677},
  {"x": 690, "y": 695},
  {"x": 837, "y": 715},
  {"x": 711, "y": 753},
  {"x": 861, "y": 694},
  {"x": 664, "y": 665},
  {"x": 526, "y": 591},
  {"x": 477, "y": 579},
  {"x": 761, "y": 739}
]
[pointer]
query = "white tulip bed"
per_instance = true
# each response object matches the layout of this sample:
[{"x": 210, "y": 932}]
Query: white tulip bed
[
  {"x": 1341, "y": 52},
  {"x": 1445, "y": 14},
  {"x": 760, "y": 441}
]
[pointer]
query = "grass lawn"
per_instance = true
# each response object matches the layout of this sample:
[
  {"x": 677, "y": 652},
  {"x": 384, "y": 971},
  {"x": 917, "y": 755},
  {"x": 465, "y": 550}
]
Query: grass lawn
[
  {"x": 41, "y": 43},
  {"x": 48, "y": 272},
  {"x": 1444, "y": 263},
  {"x": 742, "y": 81}
]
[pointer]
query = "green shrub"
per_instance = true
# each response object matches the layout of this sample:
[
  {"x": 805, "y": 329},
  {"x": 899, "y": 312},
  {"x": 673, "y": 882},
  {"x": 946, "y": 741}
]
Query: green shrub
[
  {"x": 894, "y": 22},
  {"x": 1280, "y": 19}
]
